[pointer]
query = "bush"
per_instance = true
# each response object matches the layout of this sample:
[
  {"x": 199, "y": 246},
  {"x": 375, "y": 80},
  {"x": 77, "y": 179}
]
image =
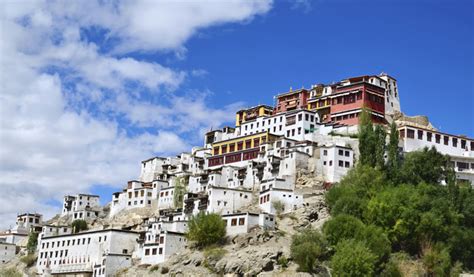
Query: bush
[
  {"x": 282, "y": 261},
  {"x": 279, "y": 207},
  {"x": 79, "y": 225},
  {"x": 206, "y": 229},
  {"x": 10, "y": 272},
  {"x": 32, "y": 242},
  {"x": 437, "y": 261},
  {"x": 353, "y": 259},
  {"x": 154, "y": 268},
  {"x": 29, "y": 260},
  {"x": 376, "y": 240},
  {"x": 342, "y": 227},
  {"x": 307, "y": 249}
]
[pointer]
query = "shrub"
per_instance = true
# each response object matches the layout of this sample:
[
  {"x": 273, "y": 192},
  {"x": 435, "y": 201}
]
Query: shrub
[
  {"x": 436, "y": 261},
  {"x": 32, "y": 242},
  {"x": 376, "y": 240},
  {"x": 165, "y": 270},
  {"x": 154, "y": 268},
  {"x": 10, "y": 272},
  {"x": 79, "y": 225},
  {"x": 307, "y": 249},
  {"x": 282, "y": 261},
  {"x": 342, "y": 227},
  {"x": 279, "y": 207},
  {"x": 206, "y": 229},
  {"x": 353, "y": 259},
  {"x": 29, "y": 260}
]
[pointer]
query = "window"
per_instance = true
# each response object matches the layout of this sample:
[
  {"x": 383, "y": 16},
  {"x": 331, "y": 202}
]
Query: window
[
  {"x": 410, "y": 133},
  {"x": 147, "y": 252},
  {"x": 347, "y": 164},
  {"x": 341, "y": 163},
  {"x": 463, "y": 144},
  {"x": 242, "y": 221},
  {"x": 446, "y": 140},
  {"x": 330, "y": 163},
  {"x": 325, "y": 152},
  {"x": 347, "y": 153},
  {"x": 429, "y": 135},
  {"x": 455, "y": 142},
  {"x": 420, "y": 134},
  {"x": 438, "y": 138},
  {"x": 233, "y": 222},
  {"x": 300, "y": 117},
  {"x": 248, "y": 144},
  {"x": 153, "y": 251},
  {"x": 160, "y": 250},
  {"x": 341, "y": 152},
  {"x": 240, "y": 145}
]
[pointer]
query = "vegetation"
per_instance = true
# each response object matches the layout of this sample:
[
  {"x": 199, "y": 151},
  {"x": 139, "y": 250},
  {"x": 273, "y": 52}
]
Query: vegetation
[
  {"x": 283, "y": 262},
  {"x": 353, "y": 259},
  {"x": 10, "y": 272},
  {"x": 154, "y": 268},
  {"x": 29, "y": 260},
  {"x": 32, "y": 242},
  {"x": 206, "y": 229},
  {"x": 212, "y": 255},
  {"x": 308, "y": 249},
  {"x": 279, "y": 207},
  {"x": 180, "y": 189},
  {"x": 392, "y": 217},
  {"x": 79, "y": 225}
]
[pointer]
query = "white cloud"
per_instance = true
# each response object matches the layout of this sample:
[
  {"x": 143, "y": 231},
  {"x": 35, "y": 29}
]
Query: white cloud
[{"x": 66, "y": 99}]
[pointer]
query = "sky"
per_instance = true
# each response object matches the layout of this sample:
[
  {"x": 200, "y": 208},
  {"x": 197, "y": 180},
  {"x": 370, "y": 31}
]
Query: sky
[{"x": 88, "y": 89}]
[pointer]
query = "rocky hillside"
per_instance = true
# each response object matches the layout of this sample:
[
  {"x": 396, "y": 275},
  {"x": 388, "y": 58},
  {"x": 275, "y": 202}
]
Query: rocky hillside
[{"x": 258, "y": 253}]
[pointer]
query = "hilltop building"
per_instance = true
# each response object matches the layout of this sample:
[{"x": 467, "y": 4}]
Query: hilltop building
[{"x": 247, "y": 173}]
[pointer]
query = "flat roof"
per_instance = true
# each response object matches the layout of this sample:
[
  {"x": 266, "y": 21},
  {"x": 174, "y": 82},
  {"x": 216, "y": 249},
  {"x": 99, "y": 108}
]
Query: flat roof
[
  {"x": 434, "y": 131},
  {"x": 91, "y": 232}
]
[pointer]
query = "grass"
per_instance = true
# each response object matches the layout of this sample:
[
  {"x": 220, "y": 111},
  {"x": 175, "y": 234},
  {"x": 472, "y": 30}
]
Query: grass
[
  {"x": 154, "y": 268},
  {"x": 283, "y": 262},
  {"x": 212, "y": 255},
  {"x": 10, "y": 272},
  {"x": 29, "y": 260}
]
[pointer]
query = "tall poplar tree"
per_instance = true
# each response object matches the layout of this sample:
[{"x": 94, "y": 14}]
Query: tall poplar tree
[
  {"x": 394, "y": 160},
  {"x": 366, "y": 139},
  {"x": 379, "y": 145}
]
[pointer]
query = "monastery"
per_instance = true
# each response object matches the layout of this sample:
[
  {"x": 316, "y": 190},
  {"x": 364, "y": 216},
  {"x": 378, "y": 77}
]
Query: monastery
[{"x": 240, "y": 172}]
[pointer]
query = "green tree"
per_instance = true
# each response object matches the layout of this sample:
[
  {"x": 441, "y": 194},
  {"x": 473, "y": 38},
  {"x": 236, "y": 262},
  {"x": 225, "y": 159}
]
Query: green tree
[
  {"x": 353, "y": 259},
  {"x": 366, "y": 139},
  {"x": 79, "y": 225},
  {"x": 393, "y": 155},
  {"x": 32, "y": 242},
  {"x": 379, "y": 144},
  {"x": 437, "y": 261},
  {"x": 308, "y": 248},
  {"x": 342, "y": 227},
  {"x": 428, "y": 166},
  {"x": 179, "y": 191},
  {"x": 206, "y": 229}
]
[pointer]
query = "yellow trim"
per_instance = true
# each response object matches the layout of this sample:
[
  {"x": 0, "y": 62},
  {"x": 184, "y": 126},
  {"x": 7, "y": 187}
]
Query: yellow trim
[{"x": 235, "y": 141}]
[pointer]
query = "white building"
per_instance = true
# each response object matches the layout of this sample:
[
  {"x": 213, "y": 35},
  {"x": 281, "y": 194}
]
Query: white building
[
  {"x": 241, "y": 223},
  {"x": 296, "y": 124},
  {"x": 227, "y": 200},
  {"x": 161, "y": 246},
  {"x": 7, "y": 251},
  {"x": 25, "y": 223},
  {"x": 459, "y": 149},
  {"x": 287, "y": 197},
  {"x": 81, "y": 206},
  {"x": 136, "y": 195},
  {"x": 93, "y": 253},
  {"x": 334, "y": 162}
]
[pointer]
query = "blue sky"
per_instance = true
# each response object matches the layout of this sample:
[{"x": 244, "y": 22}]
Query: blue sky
[
  {"x": 91, "y": 88},
  {"x": 426, "y": 45}
]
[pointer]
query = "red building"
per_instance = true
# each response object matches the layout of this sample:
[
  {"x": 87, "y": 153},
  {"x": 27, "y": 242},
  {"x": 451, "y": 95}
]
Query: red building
[
  {"x": 292, "y": 100},
  {"x": 353, "y": 94}
]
